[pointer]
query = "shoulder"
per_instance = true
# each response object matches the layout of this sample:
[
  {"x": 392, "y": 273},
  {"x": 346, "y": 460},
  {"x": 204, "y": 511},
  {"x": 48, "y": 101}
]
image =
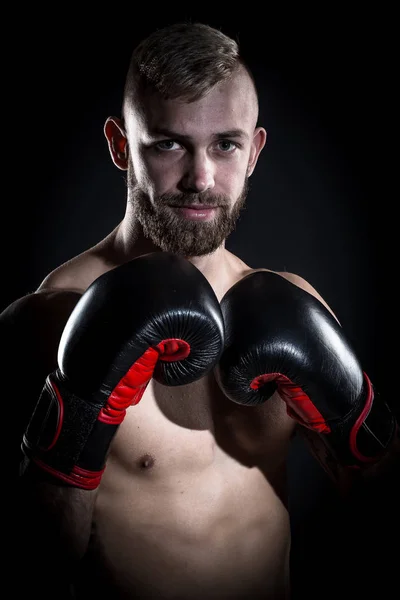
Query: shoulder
[
  {"x": 39, "y": 317},
  {"x": 76, "y": 274},
  {"x": 31, "y": 326},
  {"x": 293, "y": 278},
  {"x": 41, "y": 303},
  {"x": 30, "y": 331},
  {"x": 302, "y": 283},
  {"x": 242, "y": 270}
]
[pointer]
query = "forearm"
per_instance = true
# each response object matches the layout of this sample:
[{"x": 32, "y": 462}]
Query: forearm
[
  {"x": 55, "y": 528},
  {"x": 369, "y": 481},
  {"x": 379, "y": 482}
]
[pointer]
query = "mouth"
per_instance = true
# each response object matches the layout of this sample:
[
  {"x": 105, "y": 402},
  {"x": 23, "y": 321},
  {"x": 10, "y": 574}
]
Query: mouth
[{"x": 196, "y": 212}]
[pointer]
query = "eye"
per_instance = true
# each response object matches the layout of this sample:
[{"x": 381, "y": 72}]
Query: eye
[
  {"x": 167, "y": 145},
  {"x": 227, "y": 146}
]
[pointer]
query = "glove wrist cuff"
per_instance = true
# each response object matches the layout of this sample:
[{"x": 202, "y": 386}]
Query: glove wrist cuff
[
  {"x": 374, "y": 429},
  {"x": 64, "y": 437}
]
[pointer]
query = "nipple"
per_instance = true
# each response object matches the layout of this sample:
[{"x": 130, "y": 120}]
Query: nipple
[{"x": 146, "y": 461}]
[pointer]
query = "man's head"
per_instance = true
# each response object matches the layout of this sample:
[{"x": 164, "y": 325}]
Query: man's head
[{"x": 188, "y": 137}]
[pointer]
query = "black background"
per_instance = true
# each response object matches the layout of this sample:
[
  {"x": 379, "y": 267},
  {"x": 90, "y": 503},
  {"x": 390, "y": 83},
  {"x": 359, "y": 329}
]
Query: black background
[{"x": 318, "y": 205}]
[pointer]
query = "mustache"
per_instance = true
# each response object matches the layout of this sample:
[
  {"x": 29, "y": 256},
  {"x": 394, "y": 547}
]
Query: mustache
[{"x": 204, "y": 199}]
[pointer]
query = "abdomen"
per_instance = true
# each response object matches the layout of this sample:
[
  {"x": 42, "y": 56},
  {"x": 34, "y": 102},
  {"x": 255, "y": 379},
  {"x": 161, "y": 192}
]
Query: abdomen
[{"x": 219, "y": 533}]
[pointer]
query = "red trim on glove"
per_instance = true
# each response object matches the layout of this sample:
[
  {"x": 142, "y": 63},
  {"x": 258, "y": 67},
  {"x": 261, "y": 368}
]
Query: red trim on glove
[
  {"x": 356, "y": 427},
  {"x": 60, "y": 416},
  {"x": 131, "y": 387},
  {"x": 81, "y": 478},
  {"x": 298, "y": 404},
  {"x": 172, "y": 349}
]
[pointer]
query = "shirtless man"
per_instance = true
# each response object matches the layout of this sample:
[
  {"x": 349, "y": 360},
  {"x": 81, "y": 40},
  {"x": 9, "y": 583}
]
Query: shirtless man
[{"x": 182, "y": 494}]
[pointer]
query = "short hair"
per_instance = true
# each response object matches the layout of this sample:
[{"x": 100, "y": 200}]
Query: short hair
[{"x": 182, "y": 61}]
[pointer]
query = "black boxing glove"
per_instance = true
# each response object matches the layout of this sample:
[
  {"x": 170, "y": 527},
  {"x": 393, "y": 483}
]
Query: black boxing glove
[
  {"x": 155, "y": 316},
  {"x": 278, "y": 337}
]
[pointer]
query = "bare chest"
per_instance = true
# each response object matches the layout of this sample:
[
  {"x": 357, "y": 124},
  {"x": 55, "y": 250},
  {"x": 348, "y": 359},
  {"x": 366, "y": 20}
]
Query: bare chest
[
  {"x": 195, "y": 484},
  {"x": 188, "y": 428}
]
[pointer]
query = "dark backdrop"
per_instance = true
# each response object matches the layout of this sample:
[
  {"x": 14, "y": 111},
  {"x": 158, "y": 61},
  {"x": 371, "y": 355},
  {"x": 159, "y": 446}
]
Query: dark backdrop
[{"x": 314, "y": 206}]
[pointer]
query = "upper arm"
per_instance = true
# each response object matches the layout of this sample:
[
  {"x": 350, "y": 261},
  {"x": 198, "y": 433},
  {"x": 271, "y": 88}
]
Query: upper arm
[
  {"x": 30, "y": 331},
  {"x": 54, "y": 520}
]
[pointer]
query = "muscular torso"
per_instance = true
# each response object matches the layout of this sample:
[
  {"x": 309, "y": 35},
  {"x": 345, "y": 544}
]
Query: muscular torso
[{"x": 192, "y": 503}]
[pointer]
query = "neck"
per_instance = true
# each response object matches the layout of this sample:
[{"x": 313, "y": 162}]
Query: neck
[
  {"x": 129, "y": 242},
  {"x": 215, "y": 267}
]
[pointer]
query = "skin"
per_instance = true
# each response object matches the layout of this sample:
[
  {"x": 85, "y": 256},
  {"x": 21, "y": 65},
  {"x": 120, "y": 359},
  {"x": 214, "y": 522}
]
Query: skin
[
  {"x": 193, "y": 501},
  {"x": 195, "y": 162}
]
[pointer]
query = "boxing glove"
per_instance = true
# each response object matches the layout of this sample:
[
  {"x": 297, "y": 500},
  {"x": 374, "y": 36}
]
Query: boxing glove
[
  {"x": 155, "y": 316},
  {"x": 278, "y": 337}
]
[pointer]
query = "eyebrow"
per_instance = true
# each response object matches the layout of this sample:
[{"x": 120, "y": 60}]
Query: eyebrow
[{"x": 230, "y": 133}]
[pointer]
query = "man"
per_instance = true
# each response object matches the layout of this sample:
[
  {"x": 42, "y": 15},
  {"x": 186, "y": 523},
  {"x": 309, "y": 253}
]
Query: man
[{"x": 141, "y": 479}]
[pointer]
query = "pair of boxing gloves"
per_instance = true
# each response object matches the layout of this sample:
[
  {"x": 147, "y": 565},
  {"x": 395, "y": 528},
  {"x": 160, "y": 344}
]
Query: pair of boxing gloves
[{"x": 158, "y": 317}]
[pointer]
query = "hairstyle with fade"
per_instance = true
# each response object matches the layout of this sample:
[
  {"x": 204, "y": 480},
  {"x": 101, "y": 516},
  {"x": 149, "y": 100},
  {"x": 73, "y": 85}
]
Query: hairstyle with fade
[{"x": 181, "y": 61}]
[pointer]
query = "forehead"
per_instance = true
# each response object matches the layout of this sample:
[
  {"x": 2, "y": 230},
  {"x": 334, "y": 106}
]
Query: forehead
[{"x": 229, "y": 105}]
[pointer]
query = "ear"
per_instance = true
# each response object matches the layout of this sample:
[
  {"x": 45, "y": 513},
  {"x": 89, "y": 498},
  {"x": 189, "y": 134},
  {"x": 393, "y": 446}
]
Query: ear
[
  {"x": 258, "y": 143},
  {"x": 117, "y": 142}
]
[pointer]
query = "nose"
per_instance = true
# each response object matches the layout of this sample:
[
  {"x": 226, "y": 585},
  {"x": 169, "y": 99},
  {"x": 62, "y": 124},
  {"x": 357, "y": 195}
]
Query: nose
[{"x": 199, "y": 173}]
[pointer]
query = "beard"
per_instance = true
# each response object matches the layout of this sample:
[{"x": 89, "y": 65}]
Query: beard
[{"x": 172, "y": 233}]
